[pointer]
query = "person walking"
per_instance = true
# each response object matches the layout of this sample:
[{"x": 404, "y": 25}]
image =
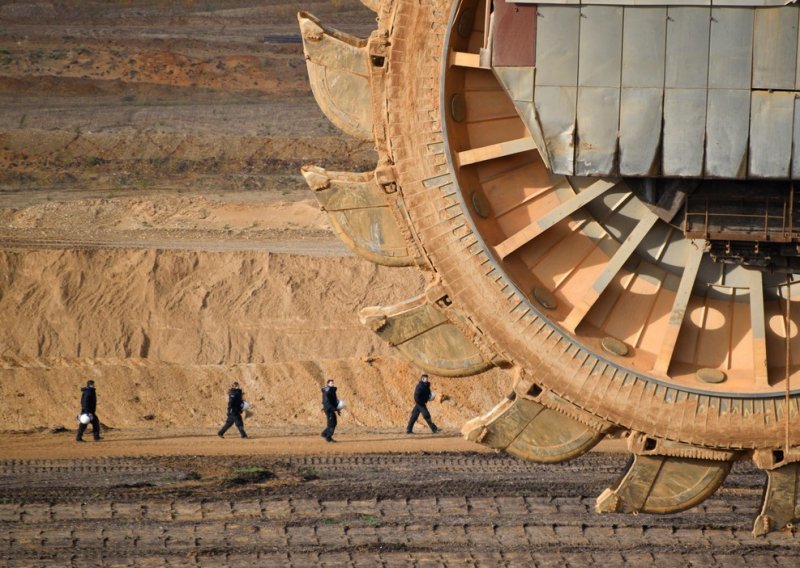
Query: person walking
[
  {"x": 422, "y": 394},
  {"x": 235, "y": 404},
  {"x": 330, "y": 405},
  {"x": 89, "y": 407}
]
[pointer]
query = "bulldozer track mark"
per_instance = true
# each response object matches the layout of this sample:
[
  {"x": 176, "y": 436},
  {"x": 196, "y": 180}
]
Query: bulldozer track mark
[{"x": 525, "y": 514}]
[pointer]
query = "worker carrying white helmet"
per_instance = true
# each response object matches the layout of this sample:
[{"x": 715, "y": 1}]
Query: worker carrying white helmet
[
  {"x": 236, "y": 405},
  {"x": 88, "y": 414},
  {"x": 422, "y": 395}
]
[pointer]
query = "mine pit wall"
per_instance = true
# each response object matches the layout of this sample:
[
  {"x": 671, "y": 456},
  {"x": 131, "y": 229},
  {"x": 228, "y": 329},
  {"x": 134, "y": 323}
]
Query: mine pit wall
[{"x": 163, "y": 333}]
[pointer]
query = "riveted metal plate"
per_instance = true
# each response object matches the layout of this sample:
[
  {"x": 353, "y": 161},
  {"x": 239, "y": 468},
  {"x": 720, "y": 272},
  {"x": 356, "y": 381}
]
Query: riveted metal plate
[{"x": 517, "y": 26}]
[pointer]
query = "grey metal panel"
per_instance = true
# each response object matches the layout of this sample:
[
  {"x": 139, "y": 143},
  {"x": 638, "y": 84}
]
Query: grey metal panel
[
  {"x": 517, "y": 82},
  {"x": 687, "y": 47},
  {"x": 731, "y": 51},
  {"x": 600, "y": 46},
  {"x": 639, "y": 131},
  {"x": 650, "y": 2},
  {"x": 555, "y": 109},
  {"x": 771, "y": 126},
  {"x": 796, "y": 145},
  {"x": 598, "y": 119},
  {"x": 797, "y": 74},
  {"x": 746, "y": 2},
  {"x": 727, "y": 130},
  {"x": 549, "y": 2},
  {"x": 775, "y": 48},
  {"x": 527, "y": 112},
  {"x": 643, "y": 47},
  {"x": 752, "y": 3},
  {"x": 557, "y": 32},
  {"x": 684, "y": 132}
]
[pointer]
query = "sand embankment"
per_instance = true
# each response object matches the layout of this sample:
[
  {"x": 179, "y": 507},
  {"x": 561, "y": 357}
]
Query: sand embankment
[{"x": 163, "y": 333}]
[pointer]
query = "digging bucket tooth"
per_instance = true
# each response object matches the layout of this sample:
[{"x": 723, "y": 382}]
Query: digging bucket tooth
[
  {"x": 531, "y": 423},
  {"x": 428, "y": 334},
  {"x": 666, "y": 477},
  {"x": 338, "y": 70},
  {"x": 529, "y": 430},
  {"x": 367, "y": 214},
  {"x": 781, "y": 505}
]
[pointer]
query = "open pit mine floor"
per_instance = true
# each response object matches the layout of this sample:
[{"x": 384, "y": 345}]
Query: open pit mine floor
[
  {"x": 375, "y": 498},
  {"x": 157, "y": 236}
]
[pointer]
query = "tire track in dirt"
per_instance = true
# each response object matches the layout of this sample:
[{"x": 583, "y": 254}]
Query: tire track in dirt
[{"x": 405, "y": 510}]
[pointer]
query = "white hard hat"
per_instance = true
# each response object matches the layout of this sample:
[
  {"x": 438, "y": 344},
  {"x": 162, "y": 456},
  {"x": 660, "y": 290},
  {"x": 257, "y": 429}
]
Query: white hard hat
[
  {"x": 85, "y": 418},
  {"x": 341, "y": 405},
  {"x": 245, "y": 405},
  {"x": 433, "y": 395}
]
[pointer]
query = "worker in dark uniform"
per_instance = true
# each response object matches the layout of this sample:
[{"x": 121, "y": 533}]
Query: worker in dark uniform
[
  {"x": 235, "y": 403},
  {"x": 89, "y": 406},
  {"x": 422, "y": 394},
  {"x": 330, "y": 404}
]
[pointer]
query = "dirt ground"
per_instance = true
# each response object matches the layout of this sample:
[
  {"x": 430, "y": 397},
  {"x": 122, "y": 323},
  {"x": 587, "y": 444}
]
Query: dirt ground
[
  {"x": 372, "y": 499},
  {"x": 157, "y": 237},
  {"x": 156, "y": 234},
  {"x": 260, "y": 442}
]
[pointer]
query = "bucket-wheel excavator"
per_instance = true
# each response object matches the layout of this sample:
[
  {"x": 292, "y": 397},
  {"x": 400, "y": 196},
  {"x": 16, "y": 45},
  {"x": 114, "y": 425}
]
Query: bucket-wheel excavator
[{"x": 601, "y": 192}]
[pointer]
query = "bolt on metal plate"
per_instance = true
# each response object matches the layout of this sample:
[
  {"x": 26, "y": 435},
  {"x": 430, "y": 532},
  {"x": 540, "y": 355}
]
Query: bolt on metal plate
[
  {"x": 465, "y": 23},
  {"x": 713, "y": 376},
  {"x": 614, "y": 346},
  {"x": 480, "y": 205},
  {"x": 545, "y": 298},
  {"x": 458, "y": 107}
]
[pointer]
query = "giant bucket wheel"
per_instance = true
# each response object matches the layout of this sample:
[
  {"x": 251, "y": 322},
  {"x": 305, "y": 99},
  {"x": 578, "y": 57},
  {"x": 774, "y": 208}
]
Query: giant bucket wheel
[{"x": 620, "y": 306}]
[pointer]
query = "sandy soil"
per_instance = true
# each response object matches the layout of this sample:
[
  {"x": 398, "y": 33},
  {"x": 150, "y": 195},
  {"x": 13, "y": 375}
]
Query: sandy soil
[
  {"x": 157, "y": 237},
  {"x": 400, "y": 509},
  {"x": 261, "y": 442},
  {"x": 163, "y": 333},
  {"x": 156, "y": 233},
  {"x": 295, "y": 440}
]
